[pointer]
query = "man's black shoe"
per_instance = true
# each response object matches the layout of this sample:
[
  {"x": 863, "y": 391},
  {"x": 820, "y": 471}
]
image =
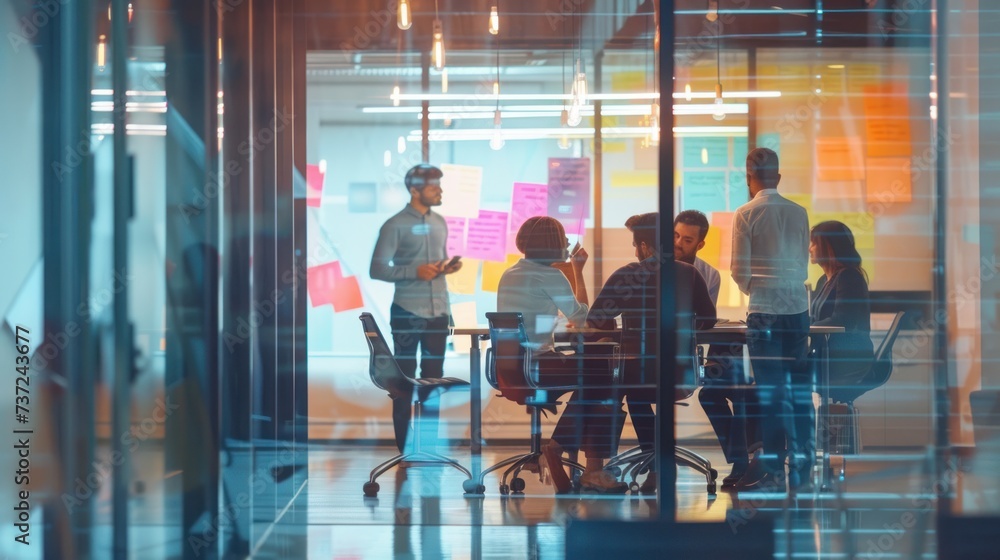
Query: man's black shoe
[
  {"x": 739, "y": 471},
  {"x": 754, "y": 473},
  {"x": 770, "y": 483}
]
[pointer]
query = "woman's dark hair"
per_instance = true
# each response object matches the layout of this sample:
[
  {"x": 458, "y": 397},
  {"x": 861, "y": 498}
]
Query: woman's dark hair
[
  {"x": 835, "y": 246},
  {"x": 542, "y": 238}
]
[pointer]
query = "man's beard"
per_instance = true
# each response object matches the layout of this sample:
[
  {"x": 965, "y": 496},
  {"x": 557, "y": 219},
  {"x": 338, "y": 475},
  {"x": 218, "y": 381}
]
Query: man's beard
[{"x": 687, "y": 258}]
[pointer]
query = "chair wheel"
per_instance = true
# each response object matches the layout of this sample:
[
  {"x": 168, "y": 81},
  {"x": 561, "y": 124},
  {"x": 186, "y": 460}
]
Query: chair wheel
[
  {"x": 615, "y": 471},
  {"x": 634, "y": 487},
  {"x": 714, "y": 473},
  {"x": 504, "y": 489},
  {"x": 517, "y": 484},
  {"x": 371, "y": 489},
  {"x": 473, "y": 487}
]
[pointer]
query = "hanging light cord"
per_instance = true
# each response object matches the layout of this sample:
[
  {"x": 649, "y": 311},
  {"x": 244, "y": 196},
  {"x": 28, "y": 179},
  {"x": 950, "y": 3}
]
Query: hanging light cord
[{"x": 498, "y": 58}]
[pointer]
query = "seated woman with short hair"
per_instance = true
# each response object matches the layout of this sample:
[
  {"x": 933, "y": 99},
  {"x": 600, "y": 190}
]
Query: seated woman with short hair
[
  {"x": 841, "y": 299},
  {"x": 540, "y": 292}
]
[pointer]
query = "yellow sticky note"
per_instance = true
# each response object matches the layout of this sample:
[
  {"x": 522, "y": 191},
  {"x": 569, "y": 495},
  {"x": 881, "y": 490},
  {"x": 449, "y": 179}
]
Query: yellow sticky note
[
  {"x": 861, "y": 74},
  {"x": 713, "y": 245},
  {"x": 832, "y": 81},
  {"x": 861, "y": 224},
  {"x": 630, "y": 82},
  {"x": 789, "y": 79},
  {"x": 625, "y": 179},
  {"x": 464, "y": 281},
  {"x": 614, "y": 147},
  {"x": 803, "y": 200},
  {"x": 492, "y": 271},
  {"x": 889, "y": 180}
]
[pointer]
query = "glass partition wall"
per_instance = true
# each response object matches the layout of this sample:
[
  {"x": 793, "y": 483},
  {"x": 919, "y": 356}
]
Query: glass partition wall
[{"x": 204, "y": 220}]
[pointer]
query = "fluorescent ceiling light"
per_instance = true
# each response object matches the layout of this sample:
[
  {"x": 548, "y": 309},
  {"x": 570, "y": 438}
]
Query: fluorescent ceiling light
[
  {"x": 485, "y": 134},
  {"x": 639, "y": 96},
  {"x": 527, "y": 111}
]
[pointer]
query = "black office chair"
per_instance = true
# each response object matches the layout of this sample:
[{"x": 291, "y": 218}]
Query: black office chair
[
  {"x": 847, "y": 438},
  {"x": 637, "y": 356},
  {"x": 386, "y": 375},
  {"x": 509, "y": 369}
]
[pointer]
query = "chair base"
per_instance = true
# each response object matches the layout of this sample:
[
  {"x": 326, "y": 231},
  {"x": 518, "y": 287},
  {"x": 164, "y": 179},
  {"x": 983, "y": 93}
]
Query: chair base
[
  {"x": 415, "y": 458},
  {"x": 636, "y": 461},
  {"x": 514, "y": 466},
  {"x": 409, "y": 460}
]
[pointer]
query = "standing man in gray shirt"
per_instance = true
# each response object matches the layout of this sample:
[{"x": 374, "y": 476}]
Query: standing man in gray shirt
[
  {"x": 411, "y": 253},
  {"x": 770, "y": 260}
]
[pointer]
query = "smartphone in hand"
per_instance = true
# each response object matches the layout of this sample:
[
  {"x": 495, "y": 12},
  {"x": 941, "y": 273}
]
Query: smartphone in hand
[{"x": 454, "y": 260}]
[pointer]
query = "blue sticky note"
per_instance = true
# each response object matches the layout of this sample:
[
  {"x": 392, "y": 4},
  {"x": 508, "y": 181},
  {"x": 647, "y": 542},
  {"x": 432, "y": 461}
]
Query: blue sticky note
[
  {"x": 704, "y": 191},
  {"x": 739, "y": 194},
  {"x": 740, "y": 150},
  {"x": 707, "y": 152}
]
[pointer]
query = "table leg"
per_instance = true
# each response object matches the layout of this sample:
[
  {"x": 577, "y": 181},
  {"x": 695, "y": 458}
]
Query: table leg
[
  {"x": 824, "y": 420},
  {"x": 475, "y": 416}
]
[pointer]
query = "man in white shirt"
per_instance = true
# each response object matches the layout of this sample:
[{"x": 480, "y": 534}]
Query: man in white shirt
[
  {"x": 769, "y": 263},
  {"x": 690, "y": 229}
]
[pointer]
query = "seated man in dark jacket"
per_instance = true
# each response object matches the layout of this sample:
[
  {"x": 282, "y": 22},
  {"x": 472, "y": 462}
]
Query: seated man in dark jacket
[{"x": 631, "y": 293}]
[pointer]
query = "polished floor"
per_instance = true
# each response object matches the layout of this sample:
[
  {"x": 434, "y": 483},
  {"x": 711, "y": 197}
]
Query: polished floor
[{"x": 884, "y": 508}]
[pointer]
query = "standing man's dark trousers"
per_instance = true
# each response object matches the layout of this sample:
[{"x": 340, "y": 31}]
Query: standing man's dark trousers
[
  {"x": 778, "y": 346},
  {"x": 724, "y": 384},
  {"x": 409, "y": 332}
]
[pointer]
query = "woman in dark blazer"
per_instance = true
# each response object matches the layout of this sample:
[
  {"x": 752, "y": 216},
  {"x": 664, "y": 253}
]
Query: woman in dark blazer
[{"x": 841, "y": 299}]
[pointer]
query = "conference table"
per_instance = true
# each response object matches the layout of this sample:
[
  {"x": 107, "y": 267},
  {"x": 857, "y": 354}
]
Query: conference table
[{"x": 725, "y": 332}]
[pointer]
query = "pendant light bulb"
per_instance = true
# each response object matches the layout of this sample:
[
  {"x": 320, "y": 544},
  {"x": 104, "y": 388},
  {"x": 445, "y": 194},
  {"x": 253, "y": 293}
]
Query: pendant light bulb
[
  {"x": 494, "y": 20},
  {"x": 496, "y": 141},
  {"x": 687, "y": 92},
  {"x": 404, "y": 17},
  {"x": 130, "y": 12},
  {"x": 713, "y": 11},
  {"x": 437, "y": 49},
  {"x": 578, "y": 97},
  {"x": 654, "y": 124},
  {"x": 444, "y": 81},
  {"x": 102, "y": 48},
  {"x": 395, "y": 96},
  {"x": 719, "y": 113}
]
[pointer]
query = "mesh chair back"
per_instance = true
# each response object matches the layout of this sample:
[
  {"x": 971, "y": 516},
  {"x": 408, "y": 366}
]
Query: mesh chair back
[
  {"x": 509, "y": 355},
  {"x": 640, "y": 341},
  {"x": 882, "y": 367},
  {"x": 382, "y": 366}
]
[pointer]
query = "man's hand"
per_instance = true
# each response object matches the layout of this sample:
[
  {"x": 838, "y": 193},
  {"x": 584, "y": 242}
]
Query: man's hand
[
  {"x": 429, "y": 271},
  {"x": 453, "y": 268}
]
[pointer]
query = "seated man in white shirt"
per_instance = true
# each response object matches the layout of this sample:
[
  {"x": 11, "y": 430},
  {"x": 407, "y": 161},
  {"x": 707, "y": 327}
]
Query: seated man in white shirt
[{"x": 724, "y": 379}]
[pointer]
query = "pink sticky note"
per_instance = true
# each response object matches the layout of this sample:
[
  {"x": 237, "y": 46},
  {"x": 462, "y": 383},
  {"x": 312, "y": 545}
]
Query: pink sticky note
[
  {"x": 456, "y": 236},
  {"x": 320, "y": 282},
  {"x": 529, "y": 200},
  {"x": 486, "y": 237},
  {"x": 347, "y": 295},
  {"x": 314, "y": 185}
]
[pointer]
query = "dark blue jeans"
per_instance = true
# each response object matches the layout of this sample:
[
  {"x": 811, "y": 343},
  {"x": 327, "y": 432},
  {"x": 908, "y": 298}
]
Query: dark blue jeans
[
  {"x": 725, "y": 383},
  {"x": 430, "y": 335},
  {"x": 778, "y": 347}
]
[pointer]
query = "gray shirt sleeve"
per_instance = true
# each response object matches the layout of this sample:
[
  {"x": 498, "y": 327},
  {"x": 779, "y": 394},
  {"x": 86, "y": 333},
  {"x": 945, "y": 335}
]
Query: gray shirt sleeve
[{"x": 382, "y": 267}]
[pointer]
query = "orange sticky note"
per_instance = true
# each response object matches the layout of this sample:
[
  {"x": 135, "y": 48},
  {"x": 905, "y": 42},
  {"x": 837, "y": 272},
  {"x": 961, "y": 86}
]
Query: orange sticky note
[
  {"x": 723, "y": 223},
  {"x": 887, "y": 120},
  {"x": 347, "y": 294},
  {"x": 839, "y": 158},
  {"x": 889, "y": 180}
]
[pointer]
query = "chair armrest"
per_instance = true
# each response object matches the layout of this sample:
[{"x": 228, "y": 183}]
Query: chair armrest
[{"x": 491, "y": 368}]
